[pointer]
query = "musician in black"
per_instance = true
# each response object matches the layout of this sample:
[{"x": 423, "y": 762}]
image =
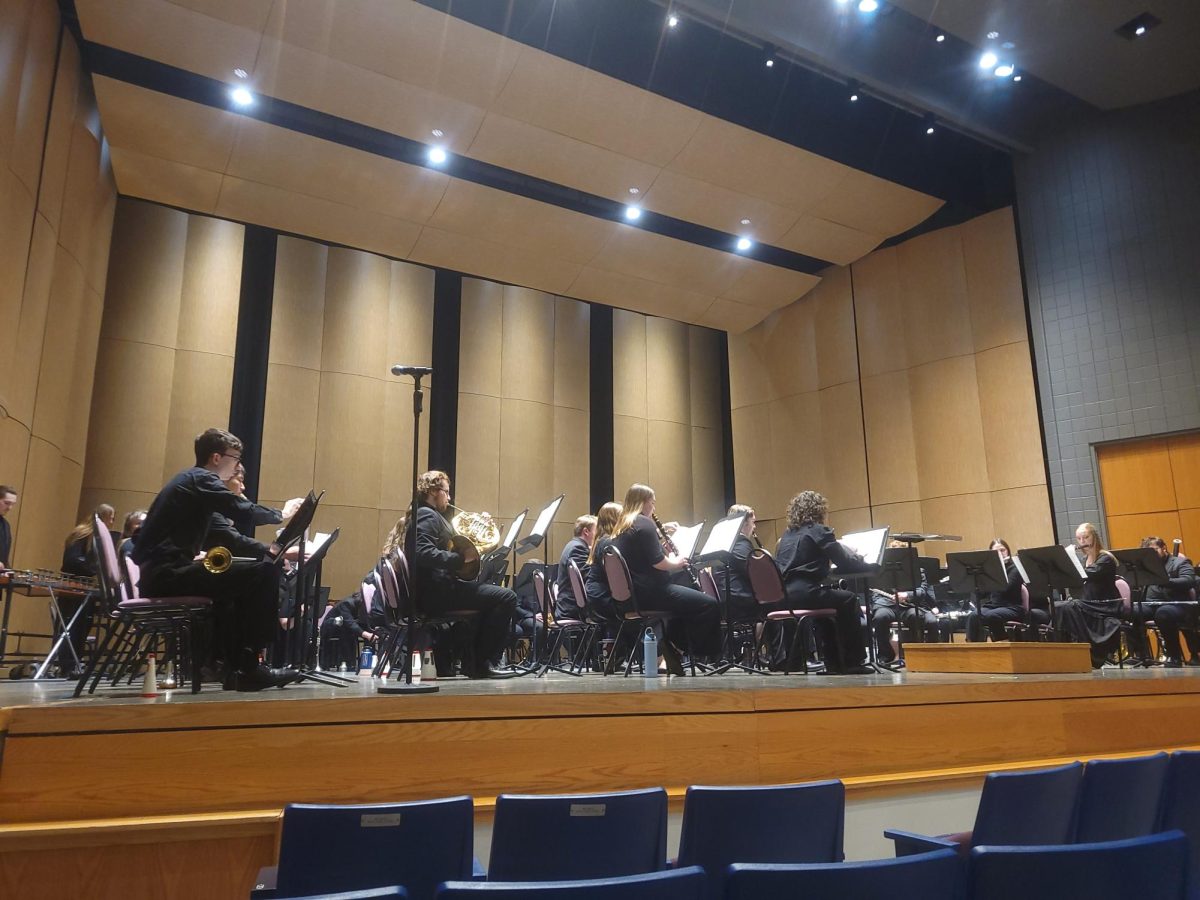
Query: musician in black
[
  {"x": 600, "y": 599},
  {"x": 696, "y": 620},
  {"x": 998, "y": 608},
  {"x": 735, "y": 578},
  {"x": 133, "y": 524},
  {"x": 439, "y": 591},
  {"x": 1172, "y": 606},
  {"x": 576, "y": 550},
  {"x": 912, "y": 609},
  {"x": 8, "y": 499},
  {"x": 246, "y": 597},
  {"x": 344, "y": 624},
  {"x": 1095, "y": 617},
  {"x": 81, "y": 557},
  {"x": 804, "y": 555}
]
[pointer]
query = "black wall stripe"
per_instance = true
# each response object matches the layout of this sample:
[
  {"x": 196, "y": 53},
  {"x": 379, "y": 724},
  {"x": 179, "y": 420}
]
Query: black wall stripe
[
  {"x": 247, "y": 404},
  {"x": 600, "y": 418},
  {"x": 726, "y": 421},
  {"x": 442, "y": 420}
]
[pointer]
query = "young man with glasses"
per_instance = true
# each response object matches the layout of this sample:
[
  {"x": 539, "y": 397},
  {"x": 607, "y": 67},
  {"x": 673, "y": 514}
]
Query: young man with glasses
[{"x": 246, "y": 597}]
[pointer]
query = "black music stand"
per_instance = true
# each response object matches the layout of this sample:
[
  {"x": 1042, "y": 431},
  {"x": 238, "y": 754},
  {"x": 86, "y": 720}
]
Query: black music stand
[
  {"x": 862, "y": 577},
  {"x": 308, "y": 614},
  {"x": 718, "y": 550},
  {"x": 405, "y": 684},
  {"x": 898, "y": 572},
  {"x": 535, "y": 538},
  {"x": 1141, "y": 568},
  {"x": 1048, "y": 569},
  {"x": 976, "y": 572},
  {"x": 493, "y": 565}
]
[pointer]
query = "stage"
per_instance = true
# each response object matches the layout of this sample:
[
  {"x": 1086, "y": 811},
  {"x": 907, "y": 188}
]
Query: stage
[{"x": 113, "y": 783}]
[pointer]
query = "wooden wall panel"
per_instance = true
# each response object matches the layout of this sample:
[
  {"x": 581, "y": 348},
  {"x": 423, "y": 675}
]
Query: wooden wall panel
[
  {"x": 669, "y": 470},
  {"x": 354, "y": 339},
  {"x": 289, "y": 423},
  {"x": 969, "y": 515},
  {"x": 842, "y": 447},
  {"x": 479, "y": 349},
  {"x": 527, "y": 334},
  {"x": 748, "y": 382},
  {"x": 1189, "y": 526},
  {"x": 937, "y": 318},
  {"x": 201, "y": 385},
  {"x": 837, "y": 361},
  {"x": 891, "y": 438},
  {"x": 708, "y": 474},
  {"x": 1022, "y": 516},
  {"x": 879, "y": 314},
  {"x": 704, "y": 378},
  {"x": 631, "y": 453},
  {"x": 148, "y": 249},
  {"x": 1012, "y": 438},
  {"x": 32, "y": 27},
  {"x": 753, "y": 460},
  {"x": 477, "y": 486},
  {"x": 301, "y": 269},
  {"x": 23, "y": 345},
  {"x": 1184, "y": 452},
  {"x": 946, "y": 392},
  {"x": 1136, "y": 477},
  {"x": 210, "y": 286},
  {"x": 526, "y": 455},
  {"x": 899, "y": 516},
  {"x": 993, "y": 272},
  {"x": 630, "y": 375},
  {"x": 790, "y": 351},
  {"x": 794, "y": 438},
  {"x": 1128, "y": 531}
]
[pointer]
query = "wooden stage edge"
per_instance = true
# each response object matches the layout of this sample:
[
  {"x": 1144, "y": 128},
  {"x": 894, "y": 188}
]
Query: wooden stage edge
[{"x": 97, "y": 786}]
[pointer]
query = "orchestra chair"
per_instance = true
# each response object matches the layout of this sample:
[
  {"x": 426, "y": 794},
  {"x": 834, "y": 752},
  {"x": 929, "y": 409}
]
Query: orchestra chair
[
  {"x": 1126, "y": 619},
  {"x": 1121, "y": 798},
  {"x": 766, "y": 582},
  {"x": 586, "y": 614},
  {"x": 785, "y": 823},
  {"x": 383, "y": 893},
  {"x": 1153, "y": 626},
  {"x": 133, "y": 618},
  {"x": 578, "y": 630},
  {"x": 925, "y": 876},
  {"x": 676, "y": 884},
  {"x": 1031, "y": 630},
  {"x": 1015, "y": 808},
  {"x": 1181, "y": 811},
  {"x": 1153, "y": 867},
  {"x": 620, "y": 585},
  {"x": 395, "y": 580},
  {"x": 730, "y": 655},
  {"x": 330, "y": 848},
  {"x": 553, "y": 837}
]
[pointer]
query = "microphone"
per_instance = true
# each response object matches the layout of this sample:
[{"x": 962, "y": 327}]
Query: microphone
[{"x": 411, "y": 370}]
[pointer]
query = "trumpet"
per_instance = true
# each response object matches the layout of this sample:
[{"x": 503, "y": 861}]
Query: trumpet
[{"x": 218, "y": 560}]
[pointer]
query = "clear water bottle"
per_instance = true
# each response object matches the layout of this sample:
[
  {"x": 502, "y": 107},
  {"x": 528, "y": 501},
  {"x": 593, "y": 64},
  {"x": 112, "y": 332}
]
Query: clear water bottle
[{"x": 650, "y": 654}]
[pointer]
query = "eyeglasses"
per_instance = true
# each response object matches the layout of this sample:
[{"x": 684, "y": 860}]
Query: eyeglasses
[{"x": 231, "y": 456}]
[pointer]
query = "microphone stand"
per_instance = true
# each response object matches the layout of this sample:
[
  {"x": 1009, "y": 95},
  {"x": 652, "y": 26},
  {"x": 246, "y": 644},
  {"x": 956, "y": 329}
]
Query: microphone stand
[{"x": 406, "y": 686}]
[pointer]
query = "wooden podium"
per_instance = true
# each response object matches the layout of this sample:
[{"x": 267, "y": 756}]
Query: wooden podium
[{"x": 998, "y": 658}]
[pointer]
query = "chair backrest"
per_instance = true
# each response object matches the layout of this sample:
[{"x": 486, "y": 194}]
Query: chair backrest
[
  {"x": 922, "y": 876},
  {"x": 338, "y": 848},
  {"x": 620, "y": 583},
  {"x": 578, "y": 588},
  {"x": 1121, "y": 798},
  {"x": 676, "y": 884},
  {"x": 109, "y": 569},
  {"x": 1025, "y": 597},
  {"x": 133, "y": 572},
  {"x": 1126, "y": 594},
  {"x": 539, "y": 588},
  {"x": 1181, "y": 810},
  {"x": 708, "y": 583},
  {"x": 787, "y": 823},
  {"x": 554, "y": 837},
  {"x": 383, "y": 893},
  {"x": 1149, "y": 868},
  {"x": 1028, "y": 808},
  {"x": 765, "y": 580}
]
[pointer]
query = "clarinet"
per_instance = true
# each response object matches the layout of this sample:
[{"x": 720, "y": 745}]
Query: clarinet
[
  {"x": 669, "y": 546},
  {"x": 754, "y": 534}
]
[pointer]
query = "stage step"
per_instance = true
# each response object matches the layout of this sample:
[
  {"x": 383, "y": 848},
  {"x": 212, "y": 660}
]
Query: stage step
[{"x": 998, "y": 658}]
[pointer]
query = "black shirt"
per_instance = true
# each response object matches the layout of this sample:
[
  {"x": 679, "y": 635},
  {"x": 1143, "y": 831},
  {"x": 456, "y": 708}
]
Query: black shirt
[
  {"x": 737, "y": 571},
  {"x": 180, "y": 516},
  {"x": 1011, "y": 595},
  {"x": 5, "y": 540},
  {"x": 1101, "y": 581},
  {"x": 641, "y": 548},
  {"x": 1183, "y": 579},
  {"x": 434, "y": 566},
  {"x": 576, "y": 550},
  {"x": 804, "y": 555},
  {"x": 222, "y": 532},
  {"x": 596, "y": 579}
]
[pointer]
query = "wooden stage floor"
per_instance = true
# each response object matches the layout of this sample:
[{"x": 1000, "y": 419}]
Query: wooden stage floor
[{"x": 104, "y": 786}]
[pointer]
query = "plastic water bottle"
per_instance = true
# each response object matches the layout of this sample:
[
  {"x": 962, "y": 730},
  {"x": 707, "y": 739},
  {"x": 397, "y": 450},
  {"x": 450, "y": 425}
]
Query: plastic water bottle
[
  {"x": 428, "y": 667},
  {"x": 650, "y": 654},
  {"x": 416, "y": 667},
  {"x": 366, "y": 662}
]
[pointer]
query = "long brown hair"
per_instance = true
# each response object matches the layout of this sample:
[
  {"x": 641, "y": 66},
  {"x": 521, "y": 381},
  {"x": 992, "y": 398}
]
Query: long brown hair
[
  {"x": 86, "y": 529},
  {"x": 635, "y": 500},
  {"x": 607, "y": 518}
]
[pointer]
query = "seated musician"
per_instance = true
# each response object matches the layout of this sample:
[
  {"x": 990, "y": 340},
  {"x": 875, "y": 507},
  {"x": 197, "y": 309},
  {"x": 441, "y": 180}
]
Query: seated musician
[
  {"x": 914, "y": 610},
  {"x": 133, "y": 524},
  {"x": 246, "y": 597},
  {"x": 1171, "y": 606},
  {"x": 79, "y": 552},
  {"x": 8, "y": 499},
  {"x": 600, "y": 599},
  {"x": 1095, "y": 617},
  {"x": 576, "y": 550},
  {"x": 742, "y": 605},
  {"x": 344, "y": 624},
  {"x": 998, "y": 608},
  {"x": 696, "y": 616},
  {"x": 804, "y": 555},
  {"x": 438, "y": 591},
  {"x": 80, "y": 557}
]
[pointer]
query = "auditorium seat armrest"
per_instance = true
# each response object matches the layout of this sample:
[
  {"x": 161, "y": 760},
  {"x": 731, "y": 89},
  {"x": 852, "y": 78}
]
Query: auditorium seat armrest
[
  {"x": 909, "y": 843},
  {"x": 264, "y": 884}
]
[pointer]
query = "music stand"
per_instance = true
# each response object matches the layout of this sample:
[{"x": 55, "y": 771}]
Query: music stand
[
  {"x": 898, "y": 572},
  {"x": 1048, "y": 569},
  {"x": 534, "y": 539},
  {"x": 494, "y": 564},
  {"x": 405, "y": 684},
  {"x": 1141, "y": 568},
  {"x": 308, "y": 663},
  {"x": 718, "y": 550},
  {"x": 870, "y": 546}
]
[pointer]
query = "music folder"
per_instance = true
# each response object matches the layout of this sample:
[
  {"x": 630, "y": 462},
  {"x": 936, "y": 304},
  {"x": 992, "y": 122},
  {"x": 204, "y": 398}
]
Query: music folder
[
  {"x": 723, "y": 536},
  {"x": 685, "y": 539},
  {"x": 514, "y": 529},
  {"x": 541, "y": 525},
  {"x": 297, "y": 526},
  {"x": 867, "y": 544}
]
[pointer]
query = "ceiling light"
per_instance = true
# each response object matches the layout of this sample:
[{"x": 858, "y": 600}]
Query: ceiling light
[
  {"x": 1140, "y": 30},
  {"x": 854, "y": 97},
  {"x": 929, "y": 123},
  {"x": 930, "y": 130},
  {"x": 940, "y": 38},
  {"x": 1138, "y": 26},
  {"x": 1016, "y": 78},
  {"x": 1009, "y": 45},
  {"x": 240, "y": 73},
  {"x": 992, "y": 35},
  {"x": 988, "y": 60},
  {"x": 241, "y": 96},
  {"x": 744, "y": 244},
  {"x": 635, "y": 190},
  {"x": 852, "y": 89},
  {"x": 633, "y": 213},
  {"x": 745, "y": 221},
  {"x": 437, "y": 132},
  {"x": 770, "y": 63},
  {"x": 769, "y": 55},
  {"x": 672, "y": 21},
  {"x": 1003, "y": 70},
  {"x": 868, "y": 6},
  {"x": 437, "y": 155}
]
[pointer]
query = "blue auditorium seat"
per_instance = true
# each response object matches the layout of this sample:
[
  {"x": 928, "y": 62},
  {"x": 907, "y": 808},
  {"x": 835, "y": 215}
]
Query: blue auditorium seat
[
  {"x": 1181, "y": 809},
  {"x": 1121, "y": 798},
  {"x": 677, "y": 884},
  {"x": 923, "y": 876}
]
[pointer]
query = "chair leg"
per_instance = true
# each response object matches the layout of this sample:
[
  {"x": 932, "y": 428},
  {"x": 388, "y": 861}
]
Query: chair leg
[
  {"x": 106, "y": 655},
  {"x": 612, "y": 655}
]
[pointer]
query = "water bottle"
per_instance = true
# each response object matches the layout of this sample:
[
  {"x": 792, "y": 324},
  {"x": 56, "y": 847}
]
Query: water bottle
[
  {"x": 366, "y": 662},
  {"x": 428, "y": 667},
  {"x": 416, "y": 667},
  {"x": 650, "y": 654}
]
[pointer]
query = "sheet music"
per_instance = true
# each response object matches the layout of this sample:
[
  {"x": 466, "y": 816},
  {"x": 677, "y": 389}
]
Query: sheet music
[
  {"x": 867, "y": 544},
  {"x": 1020, "y": 568},
  {"x": 514, "y": 530},
  {"x": 685, "y": 538},
  {"x": 546, "y": 516},
  {"x": 723, "y": 534},
  {"x": 1070, "y": 548}
]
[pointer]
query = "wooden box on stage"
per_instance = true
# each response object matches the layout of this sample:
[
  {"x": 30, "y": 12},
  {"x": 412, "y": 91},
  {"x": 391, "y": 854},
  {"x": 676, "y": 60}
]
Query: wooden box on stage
[{"x": 998, "y": 658}]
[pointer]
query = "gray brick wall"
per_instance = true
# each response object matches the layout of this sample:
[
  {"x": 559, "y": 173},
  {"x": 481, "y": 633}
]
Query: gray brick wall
[{"x": 1109, "y": 215}]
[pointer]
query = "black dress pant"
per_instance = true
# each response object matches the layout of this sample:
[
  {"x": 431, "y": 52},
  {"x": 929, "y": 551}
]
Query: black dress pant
[
  {"x": 882, "y": 619},
  {"x": 994, "y": 620},
  {"x": 851, "y": 651},
  {"x": 696, "y": 617},
  {"x": 68, "y": 605},
  {"x": 245, "y": 604},
  {"x": 1171, "y": 618},
  {"x": 496, "y": 607}
]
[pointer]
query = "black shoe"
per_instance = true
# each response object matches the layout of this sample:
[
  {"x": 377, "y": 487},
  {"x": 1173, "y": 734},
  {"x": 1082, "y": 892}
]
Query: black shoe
[
  {"x": 852, "y": 670},
  {"x": 493, "y": 672},
  {"x": 258, "y": 679},
  {"x": 1173, "y": 662},
  {"x": 1193, "y": 661}
]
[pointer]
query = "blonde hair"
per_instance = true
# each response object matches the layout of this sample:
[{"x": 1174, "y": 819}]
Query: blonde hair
[
  {"x": 430, "y": 481},
  {"x": 1096, "y": 539},
  {"x": 583, "y": 523},
  {"x": 395, "y": 538},
  {"x": 635, "y": 499},
  {"x": 807, "y": 506},
  {"x": 606, "y": 523},
  {"x": 86, "y": 528}
]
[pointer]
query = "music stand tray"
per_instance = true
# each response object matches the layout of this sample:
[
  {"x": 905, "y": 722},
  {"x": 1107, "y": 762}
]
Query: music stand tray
[
  {"x": 977, "y": 571},
  {"x": 1049, "y": 568}
]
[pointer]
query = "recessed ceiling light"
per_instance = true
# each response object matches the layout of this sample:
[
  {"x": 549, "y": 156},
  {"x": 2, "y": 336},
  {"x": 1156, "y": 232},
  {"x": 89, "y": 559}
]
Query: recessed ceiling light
[
  {"x": 744, "y": 244},
  {"x": 437, "y": 132},
  {"x": 745, "y": 221},
  {"x": 634, "y": 190},
  {"x": 988, "y": 60},
  {"x": 1139, "y": 26},
  {"x": 770, "y": 63},
  {"x": 437, "y": 155},
  {"x": 672, "y": 21},
  {"x": 941, "y": 38},
  {"x": 929, "y": 130},
  {"x": 241, "y": 96},
  {"x": 854, "y": 97},
  {"x": 1003, "y": 71},
  {"x": 1140, "y": 30},
  {"x": 1016, "y": 78},
  {"x": 633, "y": 213},
  {"x": 868, "y": 6},
  {"x": 240, "y": 73},
  {"x": 992, "y": 35},
  {"x": 1009, "y": 45}
]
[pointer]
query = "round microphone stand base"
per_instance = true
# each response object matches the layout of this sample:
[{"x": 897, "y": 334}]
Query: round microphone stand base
[{"x": 403, "y": 688}]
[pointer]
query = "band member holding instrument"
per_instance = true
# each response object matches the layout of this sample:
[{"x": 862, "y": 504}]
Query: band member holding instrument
[
  {"x": 246, "y": 597},
  {"x": 1171, "y": 606},
  {"x": 636, "y": 536},
  {"x": 1095, "y": 618},
  {"x": 439, "y": 591},
  {"x": 8, "y": 499},
  {"x": 742, "y": 605},
  {"x": 576, "y": 550},
  {"x": 804, "y": 555},
  {"x": 998, "y": 608}
]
